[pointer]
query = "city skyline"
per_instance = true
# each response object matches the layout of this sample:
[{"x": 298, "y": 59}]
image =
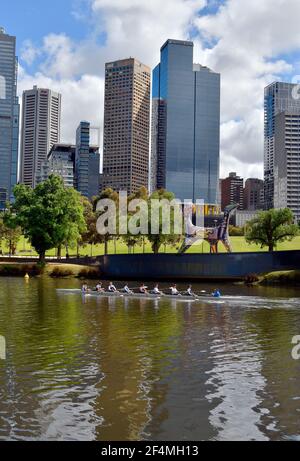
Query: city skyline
[{"x": 68, "y": 55}]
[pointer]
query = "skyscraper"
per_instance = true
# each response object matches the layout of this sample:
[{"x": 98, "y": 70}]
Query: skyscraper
[
  {"x": 126, "y": 125},
  {"x": 279, "y": 97},
  {"x": 41, "y": 115},
  {"x": 9, "y": 117},
  {"x": 287, "y": 161},
  {"x": 185, "y": 125},
  {"x": 87, "y": 162}
]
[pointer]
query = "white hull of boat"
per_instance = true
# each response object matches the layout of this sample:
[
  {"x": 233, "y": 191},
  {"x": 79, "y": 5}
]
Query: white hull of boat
[{"x": 180, "y": 298}]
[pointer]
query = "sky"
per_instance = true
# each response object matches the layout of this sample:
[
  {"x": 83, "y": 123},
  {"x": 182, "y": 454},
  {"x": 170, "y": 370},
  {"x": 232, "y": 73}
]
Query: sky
[{"x": 64, "y": 44}]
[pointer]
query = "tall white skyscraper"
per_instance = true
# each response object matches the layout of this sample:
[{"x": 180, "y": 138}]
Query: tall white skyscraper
[
  {"x": 287, "y": 161},
  {"x": 9, "y": 117},
  {"x": 41, "y": 116},
  {"x": 279, "y": 97}
]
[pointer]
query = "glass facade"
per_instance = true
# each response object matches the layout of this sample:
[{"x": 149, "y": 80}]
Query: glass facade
[
  {"x": 87, "y": 163},
  {"x": 9, "y": 117},
  {"x": 185, "y": 125}
]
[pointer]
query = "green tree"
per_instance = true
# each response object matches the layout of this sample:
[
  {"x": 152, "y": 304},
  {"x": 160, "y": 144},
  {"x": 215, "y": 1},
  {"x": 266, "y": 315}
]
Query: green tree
[
  {"x": 271, "y": 227},
  {"x": 159, "y": 239},
  {"x": 90, "y": 236},
  {"x": 111, "y": 195},
  {"x": 50, "y": 216},
  {"x": 129, "y": 239},
  {"x": 2, "y": 227}
]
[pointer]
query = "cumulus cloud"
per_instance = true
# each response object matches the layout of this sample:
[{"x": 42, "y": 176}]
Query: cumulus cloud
[
  {"x": 81, "y": 99},
  {"x": 245, "y": 41}
]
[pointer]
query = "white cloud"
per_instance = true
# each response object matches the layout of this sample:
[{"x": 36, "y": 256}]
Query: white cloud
[
  {"x": 246, "y": 43},
  {"x": 81, "y": 99},
  {"x": 29, "y": 52},
  {"x": 140, "y": 28}
]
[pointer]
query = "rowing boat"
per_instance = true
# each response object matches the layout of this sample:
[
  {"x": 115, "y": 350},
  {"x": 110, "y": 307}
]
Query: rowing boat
[{"x": 179, "y": 298}]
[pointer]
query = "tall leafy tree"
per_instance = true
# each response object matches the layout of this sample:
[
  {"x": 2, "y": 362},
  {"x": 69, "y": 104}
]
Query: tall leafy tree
[
  {"x": 271, "y": 227},
  {"x": 129, "y": 239},
  {"x": 90, "y": 236},
  {"x": 111, "y": 195},
  {"x": 50, "y": 215},
  {"x": 161, "y": 238}
]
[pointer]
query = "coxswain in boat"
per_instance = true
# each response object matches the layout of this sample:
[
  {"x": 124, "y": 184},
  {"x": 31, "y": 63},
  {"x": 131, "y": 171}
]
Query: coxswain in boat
[
  {"x": 217, "y": 294},
  {"x": 112, "y": 288},
  {"x": 143, "y": 289},
  {"x": 156, "y": 290},
  {"x": 174, "y": 291},
  {"x": 127, "y": 290}
]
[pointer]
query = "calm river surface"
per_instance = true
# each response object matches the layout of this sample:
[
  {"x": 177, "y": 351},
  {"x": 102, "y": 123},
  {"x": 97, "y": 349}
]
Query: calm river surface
[{"x": 134, "y": 369}]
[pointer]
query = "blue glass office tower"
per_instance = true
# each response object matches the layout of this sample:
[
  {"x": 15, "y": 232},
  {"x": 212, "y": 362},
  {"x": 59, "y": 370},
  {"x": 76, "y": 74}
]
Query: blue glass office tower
[
  {"x": 9, "y": 117},
  {"x": 185, "y": 151},
  {"x": 87, "y": 163}
]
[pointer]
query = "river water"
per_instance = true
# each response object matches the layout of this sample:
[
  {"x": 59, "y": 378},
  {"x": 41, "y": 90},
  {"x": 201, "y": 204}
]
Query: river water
[{"x": 108, "y": 370}]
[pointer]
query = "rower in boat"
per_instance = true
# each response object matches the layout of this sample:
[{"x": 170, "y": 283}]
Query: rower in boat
[
  {"x": 112, "y": 288},
  {"x": 156, "y": 290},
  {"x": 127, "y": 290},
  {"x": 174, "y": 291},
  {"x": 189, "y": 291},
  {"x": 99, "y": 288},
  {"x": 143, "y": 289},
  {"x": 84, "y": 288}
]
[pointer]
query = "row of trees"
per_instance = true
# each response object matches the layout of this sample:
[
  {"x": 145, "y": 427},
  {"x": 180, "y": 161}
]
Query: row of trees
[
  {"x": 52, "y": 216},
  {"x": 156, "y": 240}
]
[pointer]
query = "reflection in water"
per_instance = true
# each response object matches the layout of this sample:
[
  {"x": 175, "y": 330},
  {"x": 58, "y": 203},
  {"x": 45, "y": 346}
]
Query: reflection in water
[{"x": 119, "y": 369}]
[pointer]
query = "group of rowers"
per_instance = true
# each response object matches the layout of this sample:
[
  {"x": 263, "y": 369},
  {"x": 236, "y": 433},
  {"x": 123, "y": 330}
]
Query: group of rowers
[{"x": 144, "y": 290}]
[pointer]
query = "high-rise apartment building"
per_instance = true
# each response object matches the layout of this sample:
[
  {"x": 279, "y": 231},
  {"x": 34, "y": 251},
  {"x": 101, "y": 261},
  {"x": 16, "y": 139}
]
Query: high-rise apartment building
[
  {"x": 185, "y": 147},
  {"x": 254, "y": 194},
  {"x": 279, "y": 97},
  {"x": 287, "y": 161},
  {"x": 126, "y": 125},
  {"x": 60, "y": 162},
  {"x": 9, "y": 117},
  {"x": 41, "y": 115},
  {"x": 232, "y": 191},
  {"x": 87, "y": 163}
]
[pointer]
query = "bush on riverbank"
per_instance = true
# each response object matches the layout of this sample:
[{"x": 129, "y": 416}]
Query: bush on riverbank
[
  {"x": 282, "y": 278},
  {"x": 11, "y": 270},
  {"x": 89, "y": 274},
  {"x": 51, "y": 270},
  {"x": 58, "y": 272}
]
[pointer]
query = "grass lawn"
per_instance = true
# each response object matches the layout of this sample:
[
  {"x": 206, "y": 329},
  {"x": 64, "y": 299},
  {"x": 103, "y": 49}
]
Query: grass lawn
[{"x": 239, "y": 245}]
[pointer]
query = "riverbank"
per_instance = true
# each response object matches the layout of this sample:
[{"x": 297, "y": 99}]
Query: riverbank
[
  {"x": 62, "y": 270},
  {"x": 281, "y": 278},
  {"x": 53, "y": 270}
]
